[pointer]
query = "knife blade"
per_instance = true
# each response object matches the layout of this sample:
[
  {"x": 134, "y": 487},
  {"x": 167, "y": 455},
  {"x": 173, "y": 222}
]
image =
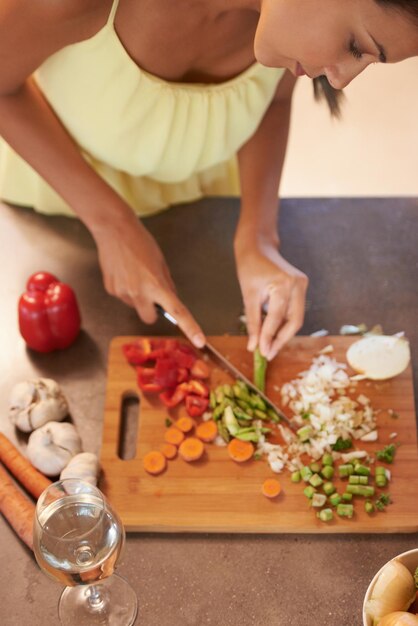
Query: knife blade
[{"x": 226, "y": 364}]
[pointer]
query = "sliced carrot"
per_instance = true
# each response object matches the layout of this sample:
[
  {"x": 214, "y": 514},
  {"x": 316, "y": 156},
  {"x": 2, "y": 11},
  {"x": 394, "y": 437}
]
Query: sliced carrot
[
  {"x": 191, "y": 449},
  {"x": 185, "y": 424},
  {"x": 240, "y": 451},
  {"x": 207, "y": 431},
  {"x": 169, "y": 450},
  {"x": 173, "y": 435},
  {"x": 271, "y": 488},
  {"x": 154, "y": 462},
  {"x": 16, "y": 508},
  {"x": 21, "y": 468}
]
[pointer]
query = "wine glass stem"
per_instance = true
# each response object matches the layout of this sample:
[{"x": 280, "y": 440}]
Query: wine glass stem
[{"x": 95, "y": 598}]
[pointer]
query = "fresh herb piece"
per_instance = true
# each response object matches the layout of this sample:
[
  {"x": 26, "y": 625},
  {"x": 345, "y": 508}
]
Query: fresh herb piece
[
  {"x": 168, "y": 422},
  {"x": 416, "y": 578},
  {"x": 387, "y": 454},
  {"x": 305, "y": 415},
  {"x": 257, "y": 456},
  {"x": 342, "y": 444},
  {"x": 382, "y": 501}
]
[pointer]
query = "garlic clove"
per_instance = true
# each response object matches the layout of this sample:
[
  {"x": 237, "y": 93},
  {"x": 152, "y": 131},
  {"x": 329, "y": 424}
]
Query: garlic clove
[
  {"x": 84, "y": 466},
  {"x": 51, "y": 447}
]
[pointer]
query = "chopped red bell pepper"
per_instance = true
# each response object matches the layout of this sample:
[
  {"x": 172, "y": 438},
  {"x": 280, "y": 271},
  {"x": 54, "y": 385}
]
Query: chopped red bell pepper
[
  {"x": 196, "y": 405},
  {"x": 49, "y": 317},
  {"x": 166, "y": 372},
  {"x": 200, "y": 369},
  {"x": 138, "y": 352},
  {"x": 171, "y": 398},
  {"x": 184, "y": 356},
  {"x": 182, "y": 374},
  {"x": 146, "y": 380},
  {"x": 198, "y": 388}
]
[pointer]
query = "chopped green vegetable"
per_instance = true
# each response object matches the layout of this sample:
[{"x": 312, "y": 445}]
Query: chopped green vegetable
[
  {"x": 315, "y": 480},
  {"x": 309, "y": 491},
  {"x": 369, "y": 507},
  {"x": 223, "y": 431},
  {"x": 168, "y": 422},
  {"x": 345, "y": 470},
  {"x": 296, "y": 477},
  {"x": 328, "y": 488},
  {"x": 315, "y": 467},
  {"x": 367, "y": 491},
  {"x": 327, "y": 472},
  {"x": 305, "y": 415},
  {"x": 358, "y": 480},
  {"x": 362, "y": 470},
  {"x": 387, "y": 454},
  {"x": 306, "y": 473},
  {"x": 327, "y": 459},
  {"x": 335, "y": 499},
  {"x": 381, "y": 480},
  {"x": 326, "y": 515},
  {"x": 304, "y": 433},
  {"x": 416, "y": 578},
  {"x": 228, "y": 391},
  {"x": 273, "y": 415},
  {"x": 257, "y": 456},
  {"x": 347, "y": 497},
  {"x": 262, "y": 415},
  {"x": 260, "y": 369},
  {"x": 342, "y": 444},
  {"x": 380, "y": 470},
  {"x": 212, "y": 400},
  {"x": 345, "y": 510},
  {"x": 230, "y": 421}
]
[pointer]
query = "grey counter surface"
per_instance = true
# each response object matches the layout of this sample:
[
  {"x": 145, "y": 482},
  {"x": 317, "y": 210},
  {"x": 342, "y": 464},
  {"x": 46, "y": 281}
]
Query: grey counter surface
[{"x": 362, "y": 259}]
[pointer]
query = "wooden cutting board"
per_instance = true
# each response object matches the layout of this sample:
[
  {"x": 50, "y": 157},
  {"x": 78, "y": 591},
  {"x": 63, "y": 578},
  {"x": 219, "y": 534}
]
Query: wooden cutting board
[{"x": 215, "y": 494}]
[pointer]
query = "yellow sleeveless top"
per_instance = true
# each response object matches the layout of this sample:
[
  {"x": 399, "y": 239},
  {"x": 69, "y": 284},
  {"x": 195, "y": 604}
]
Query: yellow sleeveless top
[{"x": 156, "y": 142}]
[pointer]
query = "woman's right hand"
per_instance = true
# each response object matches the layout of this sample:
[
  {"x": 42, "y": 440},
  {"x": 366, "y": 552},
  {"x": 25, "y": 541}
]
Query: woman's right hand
[{"x": 134, "y": 270}]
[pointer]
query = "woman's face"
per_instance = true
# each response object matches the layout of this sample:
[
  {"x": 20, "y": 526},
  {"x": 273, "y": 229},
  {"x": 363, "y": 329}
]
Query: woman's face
[{"x": 335, "y": 38}]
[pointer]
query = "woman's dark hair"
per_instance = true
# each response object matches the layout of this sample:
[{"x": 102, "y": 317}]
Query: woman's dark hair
[{"x": 333, "y": 97}]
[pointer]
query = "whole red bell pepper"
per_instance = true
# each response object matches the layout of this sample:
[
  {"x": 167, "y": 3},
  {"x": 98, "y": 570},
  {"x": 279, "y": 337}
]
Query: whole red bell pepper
[{"x": 49, "y": 317}]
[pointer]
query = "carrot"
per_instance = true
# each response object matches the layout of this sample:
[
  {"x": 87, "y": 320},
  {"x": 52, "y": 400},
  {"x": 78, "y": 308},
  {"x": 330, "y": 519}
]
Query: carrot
[
  {"x": 154, "y": 462},
  {"x": 185, "y": 424},
  {"x": 173, "y": 435},
  {"x": 207, "y": 431},
  {"x": 240, "y": 451},
  {"x": 271, "y": 488},
  {"x": 191, "y": 449},
  {"x": 169, "y": 450},
  {"x": 32, "y": 480},
  {"x": 16, "y": 508}
]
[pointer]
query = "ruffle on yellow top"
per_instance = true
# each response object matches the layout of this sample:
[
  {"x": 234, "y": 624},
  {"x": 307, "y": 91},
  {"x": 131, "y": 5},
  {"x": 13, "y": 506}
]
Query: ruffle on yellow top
[{"x": 155, "y": 142}]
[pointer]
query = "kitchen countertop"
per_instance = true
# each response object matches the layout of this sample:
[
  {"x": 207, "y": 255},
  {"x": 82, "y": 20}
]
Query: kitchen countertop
[{"x": 362, "y": 259}]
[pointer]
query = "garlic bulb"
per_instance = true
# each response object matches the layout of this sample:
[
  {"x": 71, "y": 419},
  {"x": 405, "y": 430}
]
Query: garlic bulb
[
  {"x": 84, "y": 466},
  {"x": 394, "y": 590},
  {"x": 33, "y": 403},
  {"x": 399, "y": 618},
  {"x": 51, "y": 447}
]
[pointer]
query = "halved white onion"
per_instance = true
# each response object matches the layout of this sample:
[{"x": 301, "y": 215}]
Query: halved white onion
[
  {"x": 394, "y": 590},
  {"x": 379, "y": 356},
  {"x": 399, "y": 618}
]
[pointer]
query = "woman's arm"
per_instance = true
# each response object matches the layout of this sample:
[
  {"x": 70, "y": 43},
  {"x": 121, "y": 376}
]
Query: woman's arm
[
  {"x": 132, "y": 263},
  {"x": 265, "y": 277}
]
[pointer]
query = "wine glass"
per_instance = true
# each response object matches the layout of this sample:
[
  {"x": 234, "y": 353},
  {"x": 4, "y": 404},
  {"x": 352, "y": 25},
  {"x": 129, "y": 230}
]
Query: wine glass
[{"x": 77, "y": 540}]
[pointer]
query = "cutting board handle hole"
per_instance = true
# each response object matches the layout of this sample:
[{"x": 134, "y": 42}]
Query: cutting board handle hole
[{"x": 129, "y": 418}]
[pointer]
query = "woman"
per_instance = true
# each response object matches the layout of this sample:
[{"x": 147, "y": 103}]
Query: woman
[{"x": 139, "y": 104}]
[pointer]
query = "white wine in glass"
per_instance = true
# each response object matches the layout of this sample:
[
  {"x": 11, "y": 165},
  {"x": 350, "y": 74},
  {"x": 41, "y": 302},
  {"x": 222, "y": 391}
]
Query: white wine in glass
[{"x": 77, "y": 540}]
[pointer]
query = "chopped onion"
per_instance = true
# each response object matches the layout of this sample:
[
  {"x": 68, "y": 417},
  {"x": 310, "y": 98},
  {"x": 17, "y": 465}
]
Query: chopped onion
[
  {"x": 394, "y": 590},
  {"x": 379, "y": 356}
]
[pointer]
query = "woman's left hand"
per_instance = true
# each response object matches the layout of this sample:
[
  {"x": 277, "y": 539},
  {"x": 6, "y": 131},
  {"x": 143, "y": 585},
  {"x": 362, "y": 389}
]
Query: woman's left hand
[{"x": 268, "y": 282}]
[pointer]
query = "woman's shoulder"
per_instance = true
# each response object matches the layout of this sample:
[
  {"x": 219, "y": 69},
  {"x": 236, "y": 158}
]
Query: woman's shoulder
[{"x": 32, "y": 31}]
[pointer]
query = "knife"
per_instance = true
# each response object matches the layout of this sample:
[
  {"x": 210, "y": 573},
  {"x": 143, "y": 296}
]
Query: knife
[{"x": 214, "y": 353}]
